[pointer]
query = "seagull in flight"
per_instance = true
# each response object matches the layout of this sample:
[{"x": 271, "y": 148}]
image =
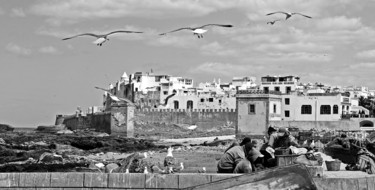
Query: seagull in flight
[
  {"x": 115, "y": 98},
  {"x": 101, "y": 38},
  {"x": 273, "y": 22},
  {"x": 288, "y": 15},
  {"x": 199, "y": 31}
]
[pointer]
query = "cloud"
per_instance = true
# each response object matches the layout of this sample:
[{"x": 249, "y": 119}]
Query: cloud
[
  {"x": 49, "y": 50},
  {"x": 174, "y": 41},
  {"x": 217, "y": 49},
  {"x": 226, "y": 69},
  {"x": 338, "y": 23},
  {"x": 18, "y": 12},
  {"x": 366, "y": 54},
  {"x": 75, "y": 10},
  {"x": 11, "y": 47},
  {"x": 367, "y": 65}
]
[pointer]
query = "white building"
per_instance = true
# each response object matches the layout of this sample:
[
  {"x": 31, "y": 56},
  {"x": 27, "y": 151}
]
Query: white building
[{"x": 283, "y": 84}]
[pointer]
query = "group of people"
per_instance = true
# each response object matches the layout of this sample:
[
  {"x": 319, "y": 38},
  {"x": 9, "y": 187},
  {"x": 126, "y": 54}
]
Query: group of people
[{"x": 246, "y": 157}]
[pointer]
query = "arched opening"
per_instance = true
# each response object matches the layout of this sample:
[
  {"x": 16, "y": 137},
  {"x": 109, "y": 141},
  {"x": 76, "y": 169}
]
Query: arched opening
[
  {"x": 189, "y": 104},
  {"x": 175, "y": 104},
  {"x": 366, "y": 123}
]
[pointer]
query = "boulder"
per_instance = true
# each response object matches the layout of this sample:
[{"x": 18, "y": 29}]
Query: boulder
[
  {"x": 64, "y": 131},
  {"x": 50, "y": 158},
  {"x": 5, "y": 128},
  {"x": 50, "y": 128},
  {"x": 111, "y": 167}
]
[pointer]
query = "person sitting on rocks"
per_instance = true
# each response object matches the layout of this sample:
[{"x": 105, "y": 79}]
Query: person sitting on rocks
[
  {"x": 235, "y": 160},
  {"x": 235, "y": 143},
  {"x": 285, "y": 139}
]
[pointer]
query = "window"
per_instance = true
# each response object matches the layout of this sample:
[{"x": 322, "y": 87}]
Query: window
[
  {"x": 335, "y": 109},
  {"x": 252, "y": 109},
  {"x": 219, "y": 101},
  {"x": 265, "y": 89},
  {"x": 325, "y": 109},
  {"x": 136, "y": 89},
  {"x": 211, "y": 99},
  {"x": 287, "y": 101},
  {"x": 286, "y": 113},
  {"x": 306, "y": 109},
  {"x": 288, "y": 89},
  {"x": 165, "y": 92},
  {"x": 277, "y": 89},
  {"x": 202, "y": 99},
  {"x": 189, "y": 104},
  {"x": 274, "y": 108},
  {"x": 175, "y": 104}
]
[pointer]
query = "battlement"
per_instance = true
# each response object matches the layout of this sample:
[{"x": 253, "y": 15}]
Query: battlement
[
  {"x": 188, "y": 110},
  {"x": 258, "y": 92}
]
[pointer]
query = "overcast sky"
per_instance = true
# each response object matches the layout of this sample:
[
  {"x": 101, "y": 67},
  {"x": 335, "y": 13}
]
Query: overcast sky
[{"x": 41, "y": 75}]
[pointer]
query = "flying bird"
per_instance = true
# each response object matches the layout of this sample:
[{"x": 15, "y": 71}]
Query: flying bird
[
  {"x": 115, "y": 98},
  {"x": 165, "y": 104},
  {"x": 199, "y": 31},
  {"x": 273, "y": 22},
  {"x": 288, "y": 15},
  {"x": 101, "y": 38},
  {"x": 169, "y": 159}
]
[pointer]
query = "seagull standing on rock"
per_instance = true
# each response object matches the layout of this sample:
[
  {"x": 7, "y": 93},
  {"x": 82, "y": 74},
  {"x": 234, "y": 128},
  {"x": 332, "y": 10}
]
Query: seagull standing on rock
[
  {"x": 288, "y": 15},
  {"x": 199, "y": 31},
  {"x": 101, "y": 38}
]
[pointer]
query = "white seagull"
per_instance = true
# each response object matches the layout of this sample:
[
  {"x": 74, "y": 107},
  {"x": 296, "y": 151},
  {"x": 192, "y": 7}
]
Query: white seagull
[
  {"x": 101, "y": 38},
  {"x": 273, "y": 22},
  {"x": 288, "y": 15},
  {"x": 199, "y": 31},
  {"x": 115, "y": 98}
]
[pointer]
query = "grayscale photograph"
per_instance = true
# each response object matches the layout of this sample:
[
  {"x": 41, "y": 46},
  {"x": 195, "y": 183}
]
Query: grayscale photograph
[{"x": 187, "y": 94}]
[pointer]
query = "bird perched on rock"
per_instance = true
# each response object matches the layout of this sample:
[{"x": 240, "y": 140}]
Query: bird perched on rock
[
  {"x": 169, "y": 159},
  {"x": 199, "y": 31},
  {"x": 101, "y": 38},
  {"x": 192, "y": 127},
  {"x": 288, "y": 15},
  {"x": 203, "y": 170},
  {"x": 145, "y": 171},
  {"x": 304, "y": 144},
  {"x": 312, "y": 145},
  {"x": 179, "y": 169},
  {"x": 127, "y": 171}
]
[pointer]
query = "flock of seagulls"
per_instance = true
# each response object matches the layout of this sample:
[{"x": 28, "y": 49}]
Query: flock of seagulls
[{"x": 198, "y": 31}]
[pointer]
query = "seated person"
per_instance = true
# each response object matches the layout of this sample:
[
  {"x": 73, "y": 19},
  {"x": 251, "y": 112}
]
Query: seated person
[
  {"x": 235, "y": 143},
  {"x": 235, "y": 160},
  {"x": 270, "y": 139},
  {"x": 340, "y": 142},
  {"x": 285, "y": 139}
]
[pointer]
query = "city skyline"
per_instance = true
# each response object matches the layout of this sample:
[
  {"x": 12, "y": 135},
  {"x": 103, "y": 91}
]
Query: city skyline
[{"x": 41, "y": 75}]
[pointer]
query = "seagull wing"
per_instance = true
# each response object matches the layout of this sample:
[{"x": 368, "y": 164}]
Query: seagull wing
[
  {"x": 85, "y": 34},
  {"x": 302, "y": 15},
  {"x": 102, "y": 89},
  {"x": 186, "y": 28},
  {"x": 220, "y": 25},
  {"x": 122, "y": 31},
  {"x": 277, "y": 12}
]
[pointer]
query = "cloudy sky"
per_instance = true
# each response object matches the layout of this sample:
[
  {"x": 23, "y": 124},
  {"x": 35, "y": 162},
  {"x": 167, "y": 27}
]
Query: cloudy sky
[{"x": 41, "y": 75}]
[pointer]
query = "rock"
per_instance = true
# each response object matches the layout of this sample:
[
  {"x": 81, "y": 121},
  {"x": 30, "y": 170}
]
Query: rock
[
  {"x": 50, "y": 128},
  {"x": 2, "y": 141},
  {"x": 64, "y": 131},
  {"x": 5, "y": 128},
  {"x": 50, "y": 158},
  {"x": 102, "y": 135},
  {"x": 111, "y": 167}
]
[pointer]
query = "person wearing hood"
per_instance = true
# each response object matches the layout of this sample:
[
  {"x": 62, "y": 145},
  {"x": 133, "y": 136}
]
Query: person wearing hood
[
  {"x": 235, "y": 143},
  {"x": 285, "y": 139},
  {"x": 235, "y": 160}
]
